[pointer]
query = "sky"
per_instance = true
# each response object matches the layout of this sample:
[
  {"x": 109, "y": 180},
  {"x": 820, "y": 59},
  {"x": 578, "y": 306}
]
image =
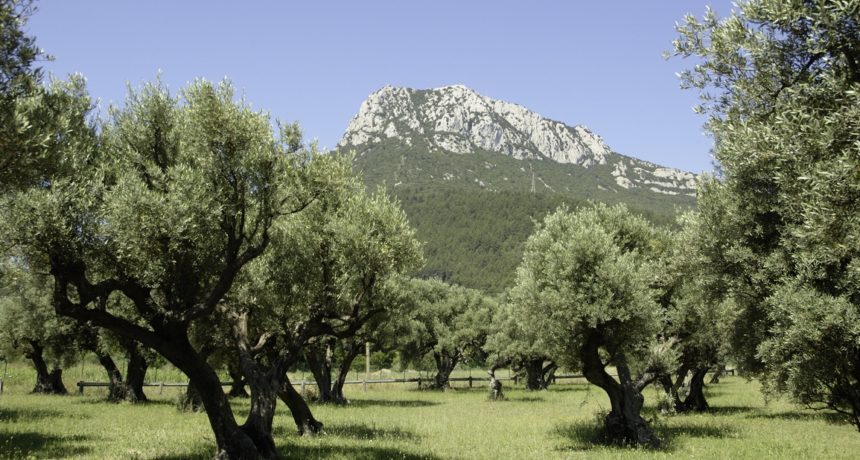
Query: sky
[{"x": 598, "y": 64}]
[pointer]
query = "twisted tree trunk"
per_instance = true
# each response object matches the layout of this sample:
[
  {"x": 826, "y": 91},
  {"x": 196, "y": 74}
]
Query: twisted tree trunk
[
  {"x": 445, "y": 364},
  {"x": 237, "y": 386},
  {"x": 135, "y": 373},
  {"x": 264, "y": 398},
  {"x": 351, "y": 351},
  {"x": 549, "y": 373},
  {"x": 306, "y": 424},
  {"x": 319, "y": 362},
  {"x": 624, "y": 423},
  {"x": 672, "y": 390},
  {"x": 116, "y": 387},
  {"x": 233, "y": 443},
  {"x": 534, "y": 375},
  {"x": 496, "y": 393},
  {"x": 695, "y": 400},
  {"x": 47, "y": 382}
]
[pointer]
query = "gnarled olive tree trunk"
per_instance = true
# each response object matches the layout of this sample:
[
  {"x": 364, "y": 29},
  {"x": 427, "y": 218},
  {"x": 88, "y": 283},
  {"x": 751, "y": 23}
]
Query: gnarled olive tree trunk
[
  {"x": 445, "y": 364},
  {"x": 306, "y": 424},
  {"x": 116, "y": 388},
  {"x": 135, "y": 373},
  {"x": 695, "y": 400},
  {"x": 264, "y": 385},
  {"x": 538, "y": 374},
  {"x": 496, "y": 393},
  {"x": 624, "y": 423},
  {"x": 233, "y": 443},
  {"x": 350, "y": 352},
  {"x": 47, "y": 381},
  {"x": 319, "y": 362},
  {"x": 237, "y": 385}
]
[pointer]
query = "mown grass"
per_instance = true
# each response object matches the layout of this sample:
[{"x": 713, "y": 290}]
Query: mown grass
[{"x": 396, "y": 421}]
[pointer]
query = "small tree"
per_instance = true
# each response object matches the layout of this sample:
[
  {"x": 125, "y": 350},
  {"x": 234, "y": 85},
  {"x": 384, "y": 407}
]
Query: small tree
[
  {"x": 584, "y": 282},
  {"x": 514, "y": 344},
  {"x": 29, "y": 327},
  {"x": 319, "y": 283},
  {"x": 448, "y": 323}
]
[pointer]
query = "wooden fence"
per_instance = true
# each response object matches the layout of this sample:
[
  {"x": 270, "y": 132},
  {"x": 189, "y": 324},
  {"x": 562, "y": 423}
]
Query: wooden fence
[{"x": 304, "y": 383}]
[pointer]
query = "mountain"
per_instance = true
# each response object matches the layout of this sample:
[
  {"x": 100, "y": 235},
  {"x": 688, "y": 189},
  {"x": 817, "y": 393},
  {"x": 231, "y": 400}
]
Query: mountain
[{"x": 474, "y": 173}]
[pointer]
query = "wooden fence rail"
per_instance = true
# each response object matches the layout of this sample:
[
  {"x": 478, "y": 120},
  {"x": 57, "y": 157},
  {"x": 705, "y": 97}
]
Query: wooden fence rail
[{"x": 419, "y": 380}]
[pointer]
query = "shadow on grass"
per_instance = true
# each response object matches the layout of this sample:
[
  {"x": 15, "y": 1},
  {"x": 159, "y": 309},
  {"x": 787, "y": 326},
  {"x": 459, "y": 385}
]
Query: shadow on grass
[
  {"x": 388, "y": 403},
  {"x": 351, "y": 452},
  {"x": 804, "y": 416},
  {"x": 589, "y": 434},
  {"x": 11, "y": 414},
  {"x": 31, "y": 444},
  {"x": 566, "y": 387},
  {"x": 363, "y": 431},
  {"x": 526, "y": 399},
  {"x": 352, "y": 431},
  {"x": 200, "y": 452},
  {"x": 729, "y": 410}
]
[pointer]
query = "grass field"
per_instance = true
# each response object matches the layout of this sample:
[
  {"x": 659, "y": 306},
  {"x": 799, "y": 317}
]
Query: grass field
[{"x": 398, "y": 421}]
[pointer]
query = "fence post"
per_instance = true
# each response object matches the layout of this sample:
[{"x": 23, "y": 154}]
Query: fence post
[
  {"x": 160, "y": 387},
  {"x": 470, "y": 381},
  {"x": 303, "y": 388},
  {"x": 81, "y": 388},
  {"x": 366, "y": 364}
]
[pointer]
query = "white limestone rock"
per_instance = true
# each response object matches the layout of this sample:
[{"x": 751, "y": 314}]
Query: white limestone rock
[{"x": 459, "y": 120}]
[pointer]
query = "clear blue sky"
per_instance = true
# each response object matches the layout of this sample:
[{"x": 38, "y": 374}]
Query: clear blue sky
[{"x": 580, "y": 62}]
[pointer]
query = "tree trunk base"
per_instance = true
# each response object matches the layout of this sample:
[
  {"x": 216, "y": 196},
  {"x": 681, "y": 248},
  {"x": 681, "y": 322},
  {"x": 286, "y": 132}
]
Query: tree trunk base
[
  {"x": 52, "y": 383},
  {"x": 629, "y": 431}
]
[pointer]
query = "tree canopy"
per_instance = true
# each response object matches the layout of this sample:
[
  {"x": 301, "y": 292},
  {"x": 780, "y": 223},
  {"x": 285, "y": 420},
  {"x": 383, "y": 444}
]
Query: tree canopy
[{"x": 779, "y": 83}]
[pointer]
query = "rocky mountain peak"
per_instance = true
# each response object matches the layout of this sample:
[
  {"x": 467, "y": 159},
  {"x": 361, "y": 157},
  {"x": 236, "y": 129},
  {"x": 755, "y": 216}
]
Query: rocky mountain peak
[{"x": 457, "y": 119}]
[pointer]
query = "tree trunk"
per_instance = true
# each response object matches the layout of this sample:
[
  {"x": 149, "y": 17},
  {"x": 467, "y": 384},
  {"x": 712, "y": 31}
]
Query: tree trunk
[
  {"x": 233, "y": 443},
  {"x": 721, "y": 369},
  {"x": 306, "y": 424},
  {"x": 496, "y": 393},
  {"x": 534, "y": 375},
  {"x": 695, "y": 400},
  {"x": 351, "y": 351},
  {"x": 116, "y": 389},
  {"x": 135, "y": 374},
  {"x": 264, "y": 398},
  {"x": 549, "y": 373},
  {"x": 670, "y": 389},
  {"x": 681, "y": 376},
  {"x": 624, "y": 423},
  {"x": 47, "y": 382},
  {"x": 237, "y": 386},
  {"x": 319, "y": 362},
  {"x": 445, "y": 364}
]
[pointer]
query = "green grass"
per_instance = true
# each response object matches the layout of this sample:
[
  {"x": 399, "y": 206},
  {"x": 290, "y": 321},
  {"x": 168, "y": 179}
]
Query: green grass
[{"x": 398, "y": 421}]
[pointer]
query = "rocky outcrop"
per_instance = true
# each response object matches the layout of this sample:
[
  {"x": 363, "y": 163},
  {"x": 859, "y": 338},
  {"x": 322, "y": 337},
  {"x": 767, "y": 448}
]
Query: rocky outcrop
[{"x": 458, "y": 120}]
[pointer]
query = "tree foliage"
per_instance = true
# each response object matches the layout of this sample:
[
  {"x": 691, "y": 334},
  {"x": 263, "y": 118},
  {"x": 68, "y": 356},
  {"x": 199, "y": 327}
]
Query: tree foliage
[
  {"x": 779, "y": 83},
  {"x": 585, "y": 283}
]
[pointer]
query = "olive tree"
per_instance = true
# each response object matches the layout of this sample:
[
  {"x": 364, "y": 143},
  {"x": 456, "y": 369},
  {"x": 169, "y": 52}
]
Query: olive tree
[
  {"x": 779, "y": 83},
  {"x": 585, "y": 283},
  {"x": 165, "y": 210},
  {"x": 512, "y": 343},
  {"x": 448, "y": 323},
  {"x": 319, "y": 282},
  {"x": 30, "y": 328}
]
